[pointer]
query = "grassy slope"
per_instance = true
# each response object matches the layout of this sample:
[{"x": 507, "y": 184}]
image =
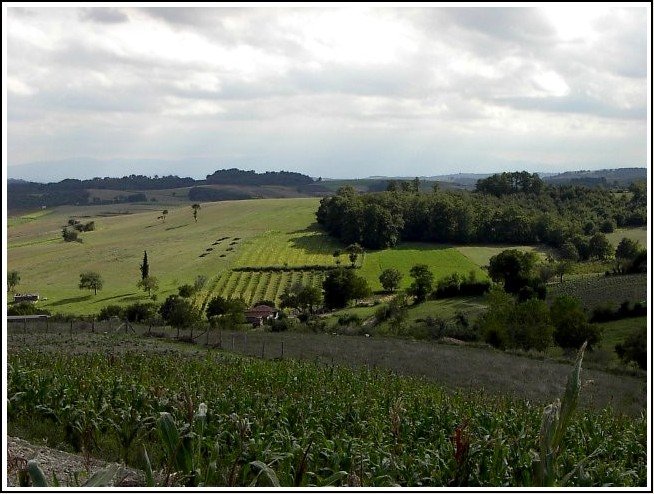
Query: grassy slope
[
  {"x": 481, "y": 254},
  {"x": 260, "y": 232},
  {"x": 51, "y": 267},
  {"x": 441, "y": 259},
  {"x": 638, "y": 234},
  {"x": 615, "y": 332}
]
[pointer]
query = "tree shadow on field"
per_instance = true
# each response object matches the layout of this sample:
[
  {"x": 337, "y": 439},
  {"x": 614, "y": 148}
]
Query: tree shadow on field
[
  {"x": 66, "y": 301},
  {"x": 124, "y": 296},
  {"x": 421, "y": 246},
  {"x": 312, "y": 228},
  {"x": 315, "y": 242}
]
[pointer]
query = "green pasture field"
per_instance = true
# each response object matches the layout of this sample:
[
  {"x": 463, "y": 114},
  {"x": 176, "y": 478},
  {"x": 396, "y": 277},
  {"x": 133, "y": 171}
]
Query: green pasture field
[
  {"x": 444, "y": 308},
  {"x": 25, "y": 218},
  {"x": 481, "y": 254},
  {"x": 179, "y": 249},
  {"x": 638, "y": 234},
  {"x": 614, "y": 332},
  {"x": 227, "y": 235},
  {"x": 442, "y": 260}
]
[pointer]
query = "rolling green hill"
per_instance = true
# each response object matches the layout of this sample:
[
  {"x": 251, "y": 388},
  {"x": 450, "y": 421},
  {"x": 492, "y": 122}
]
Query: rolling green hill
[{"x": 272, "y": 243}]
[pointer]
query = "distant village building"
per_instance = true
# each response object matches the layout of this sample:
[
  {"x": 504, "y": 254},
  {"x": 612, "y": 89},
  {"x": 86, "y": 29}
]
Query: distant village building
[
  {"x": 259, "y": 314},
  {"x": 26, "y": 297}
]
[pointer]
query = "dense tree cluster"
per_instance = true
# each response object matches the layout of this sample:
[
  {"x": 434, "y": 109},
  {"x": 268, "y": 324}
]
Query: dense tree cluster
[
  {"x": 510, "y": 183},
  {"x": 208, "y": 194},
  {"x": 234, "y": 176},
  {"x": 532, "y": 213}
]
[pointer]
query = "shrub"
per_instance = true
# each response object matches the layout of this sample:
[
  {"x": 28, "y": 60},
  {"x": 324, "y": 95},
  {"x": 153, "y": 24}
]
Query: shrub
[
  {"x": 139, "y": 312},
  {"x": 634, "y": 349},
  {"x": 110, "y": 311},
  {"x": 350, "y": 320},
  {"x": 281, "y": 324},
  {"x": 25, "y": 309},
  {"x": 186, "y": 291},
  {"x": 607, "y": 226},
  {"x": 70, "y": 235},
  {"x": 571, "y": 325},
  {"x": 511, "y": 324}
]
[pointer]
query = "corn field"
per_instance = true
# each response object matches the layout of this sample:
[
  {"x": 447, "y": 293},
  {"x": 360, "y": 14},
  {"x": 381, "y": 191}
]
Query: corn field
[{"x": 220, "y": 419}]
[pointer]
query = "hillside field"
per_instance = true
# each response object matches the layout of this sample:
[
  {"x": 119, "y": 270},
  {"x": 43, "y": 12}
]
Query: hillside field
[
  {"x": 178, "y": 248},
  {"x": 251, "y": 234}
]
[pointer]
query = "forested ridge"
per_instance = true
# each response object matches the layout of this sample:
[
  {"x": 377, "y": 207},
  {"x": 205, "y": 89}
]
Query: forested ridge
[
  {"x": 73, "y": 191},
  {"x": 513, "y": 208}
]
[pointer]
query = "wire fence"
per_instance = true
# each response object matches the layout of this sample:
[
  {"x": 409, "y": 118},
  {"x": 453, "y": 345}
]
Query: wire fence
[{"x": 258, "y": 343}]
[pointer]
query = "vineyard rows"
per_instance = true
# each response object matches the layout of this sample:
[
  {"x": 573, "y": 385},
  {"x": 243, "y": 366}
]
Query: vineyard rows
[{"x": 253, "y": 286}]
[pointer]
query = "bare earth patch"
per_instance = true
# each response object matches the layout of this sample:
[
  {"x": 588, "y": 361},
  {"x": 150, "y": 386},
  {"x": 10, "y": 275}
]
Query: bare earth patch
[{"x": 70, "y": 470}]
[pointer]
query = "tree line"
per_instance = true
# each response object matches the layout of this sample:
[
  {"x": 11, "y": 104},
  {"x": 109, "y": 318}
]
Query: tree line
[
  {"x": 508, "y": 208},
  {"x": 75, "y": 191}
]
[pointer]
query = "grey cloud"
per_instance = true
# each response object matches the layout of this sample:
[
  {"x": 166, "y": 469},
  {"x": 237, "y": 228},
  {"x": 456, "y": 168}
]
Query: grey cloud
[
  {"x": 510, "y": 24},
  {"x": 573, "y": 104},
  {"x": 103, "y": 15}
]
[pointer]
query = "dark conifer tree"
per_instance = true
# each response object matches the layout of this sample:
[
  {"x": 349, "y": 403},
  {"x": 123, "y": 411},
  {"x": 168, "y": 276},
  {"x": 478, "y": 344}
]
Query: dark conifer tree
[{"x": 145, "y": 267}]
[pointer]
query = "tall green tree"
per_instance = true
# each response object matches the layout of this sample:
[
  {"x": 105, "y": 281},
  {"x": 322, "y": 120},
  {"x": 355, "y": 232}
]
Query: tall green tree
[
  {"x": 390, "y": 279},
  {"x": 354, "y": 250},
  {"x": 179, "y": 313},
  {"x": 303, "y": 297},
  {"x": 571, "y": 324},
  {"x": 342, "y": 285},
  {"x": 599, "y": 247},
  {"x": 423, "y": 280},
  {"x": 195, "y": 208},
  {"x": 90, "y": 280},
  {"x": 512, "y": 267},
  {"x": 13, "y": 279},
  {"x": 145, "y": 267}
]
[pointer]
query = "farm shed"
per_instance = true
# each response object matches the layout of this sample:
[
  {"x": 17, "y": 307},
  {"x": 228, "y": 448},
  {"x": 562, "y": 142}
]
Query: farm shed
[{"x": 257, "y": 315}]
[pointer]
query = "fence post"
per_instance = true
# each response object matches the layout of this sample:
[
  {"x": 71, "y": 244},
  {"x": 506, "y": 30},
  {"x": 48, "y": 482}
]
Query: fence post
[
  {"x": 24, "y": 324},
  {"x": 232, "y": 342},
  {"x": 282, "y": 348},
  {"x": 71, "y": 327},
  {"x": 93, "y": 325}
]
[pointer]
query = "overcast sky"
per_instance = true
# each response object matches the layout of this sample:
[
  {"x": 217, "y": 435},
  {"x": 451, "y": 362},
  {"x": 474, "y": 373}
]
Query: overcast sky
[{"x": 332, "y": 92}]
